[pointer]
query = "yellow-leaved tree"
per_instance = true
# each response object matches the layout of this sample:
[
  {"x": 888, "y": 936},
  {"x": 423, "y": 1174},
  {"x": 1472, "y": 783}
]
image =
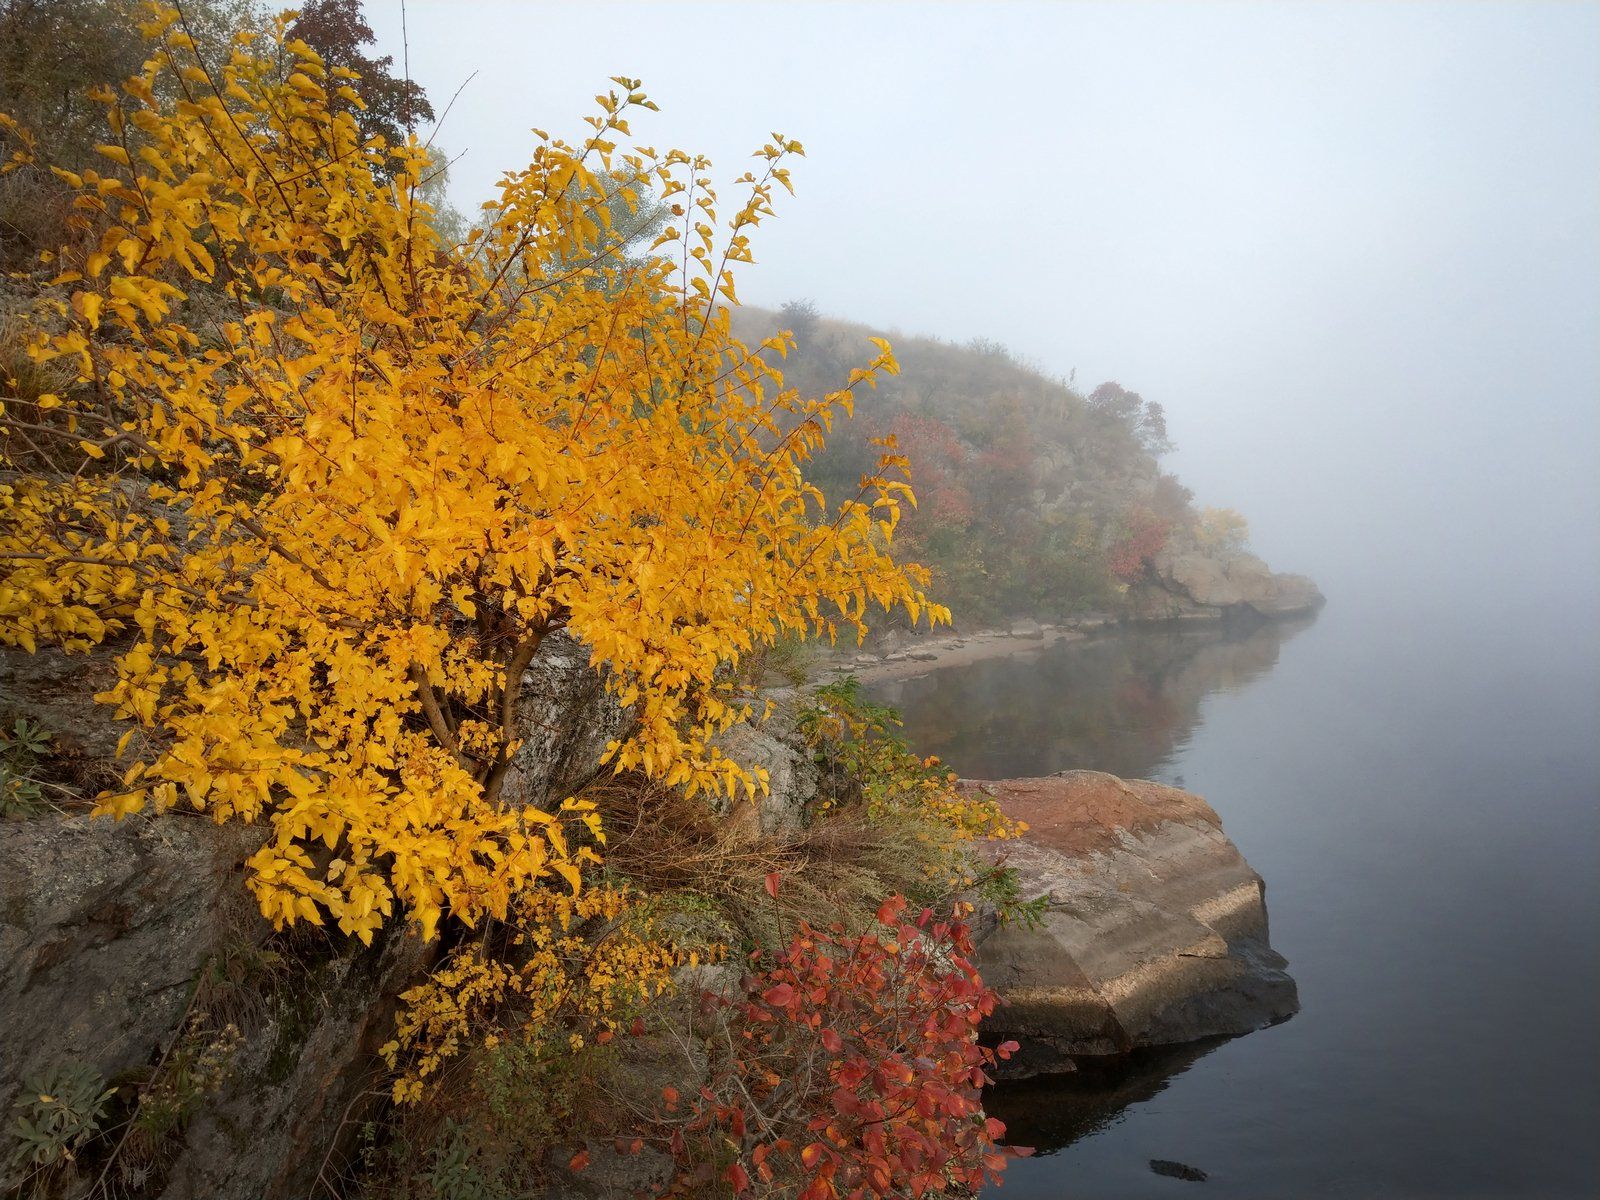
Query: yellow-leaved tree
[{"x": 326, "y": 483}]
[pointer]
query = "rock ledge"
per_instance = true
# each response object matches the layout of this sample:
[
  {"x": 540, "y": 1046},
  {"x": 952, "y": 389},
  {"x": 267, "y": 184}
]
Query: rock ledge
[{"x": 1155, "y": 930}]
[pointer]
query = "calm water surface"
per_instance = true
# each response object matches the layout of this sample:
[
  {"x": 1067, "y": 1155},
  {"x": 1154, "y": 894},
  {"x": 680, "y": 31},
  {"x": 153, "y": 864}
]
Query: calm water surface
[{"x": 1422, "y": 793}]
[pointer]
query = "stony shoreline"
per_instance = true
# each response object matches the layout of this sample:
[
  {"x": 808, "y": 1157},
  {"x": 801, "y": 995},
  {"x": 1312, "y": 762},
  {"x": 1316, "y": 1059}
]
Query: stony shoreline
[{"x": 913, "y": 656}]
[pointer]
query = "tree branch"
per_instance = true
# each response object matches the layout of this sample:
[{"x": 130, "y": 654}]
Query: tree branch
[
  {"x": 510, "y": 694},
  {"x": 435, "y": 714}
]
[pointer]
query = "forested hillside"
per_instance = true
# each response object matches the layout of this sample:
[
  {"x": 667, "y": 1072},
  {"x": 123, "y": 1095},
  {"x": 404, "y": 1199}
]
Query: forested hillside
[{"x": 1033, "y": 497}]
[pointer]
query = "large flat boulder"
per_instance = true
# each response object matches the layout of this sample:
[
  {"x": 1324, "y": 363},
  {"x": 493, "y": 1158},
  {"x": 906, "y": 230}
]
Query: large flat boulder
[
  {"x": 1268, "y": 592},
  {"x": 1204, "y": 579},
  {"x": 1154, "y": 931},
  {"x": 1195, "y": 584}
]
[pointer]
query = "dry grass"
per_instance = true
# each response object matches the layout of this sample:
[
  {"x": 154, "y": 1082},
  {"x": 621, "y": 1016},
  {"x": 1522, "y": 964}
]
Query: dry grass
[
  {"x": 838, "y": 868},
  {"x": 20, "y": 377},
  {"x": 34, "y": 208}
]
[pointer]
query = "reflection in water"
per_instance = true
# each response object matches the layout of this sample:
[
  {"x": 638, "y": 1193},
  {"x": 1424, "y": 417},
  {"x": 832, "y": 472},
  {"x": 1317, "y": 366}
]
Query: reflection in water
[
  {"x": 1419, "y": 789},
  {"x": 1125, "y": 704},
  {"x": 1051, "y": 1112},
  {"x": 1121, "y": 704}
]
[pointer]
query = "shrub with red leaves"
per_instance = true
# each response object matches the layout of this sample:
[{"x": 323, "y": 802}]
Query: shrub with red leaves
[
  {"x": 853, "y": 1068},
  {"x": 1143, "y": 536}
]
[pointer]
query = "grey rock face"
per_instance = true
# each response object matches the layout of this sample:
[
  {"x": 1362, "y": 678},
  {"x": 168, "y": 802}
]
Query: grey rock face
[
  {"x": 105, "y": 928},
  {"x": 791, "y": 773},
  {"x": 1155, "y": 930},
  {"x": 102, "y": 928},
  {"x": 303, "y": 1081},
  {"x": 568, "y": 718}
]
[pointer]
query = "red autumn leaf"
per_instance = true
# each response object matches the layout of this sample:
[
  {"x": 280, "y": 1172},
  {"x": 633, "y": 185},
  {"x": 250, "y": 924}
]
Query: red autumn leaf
[
  {"x": 895, "y": 1109},
  {"x": 670, "y": 1095},
  {"x": 779, "y": 996},
  {"x": 579, "y": 1161},
  {"x": 772, "y": 884},
  {"x": 738, "y": 1177}
]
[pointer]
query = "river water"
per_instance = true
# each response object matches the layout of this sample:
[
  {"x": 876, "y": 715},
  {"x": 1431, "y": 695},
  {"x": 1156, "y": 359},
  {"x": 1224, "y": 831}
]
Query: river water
[{"x": 1421, "y": 793}]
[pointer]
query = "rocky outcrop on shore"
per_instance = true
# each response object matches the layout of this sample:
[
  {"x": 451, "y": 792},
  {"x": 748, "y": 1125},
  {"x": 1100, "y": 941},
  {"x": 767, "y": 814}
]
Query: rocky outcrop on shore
[
  {"x": 1193, "y": 585},
  {"x": 1154, "y": 931},
  {"x": 1181, "y": 589}
]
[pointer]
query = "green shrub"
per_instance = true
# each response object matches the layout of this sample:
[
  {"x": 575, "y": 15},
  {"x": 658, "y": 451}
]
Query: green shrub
[
  {"x": 21, "y": 748},
  {"x": 58, "y": 1113}
]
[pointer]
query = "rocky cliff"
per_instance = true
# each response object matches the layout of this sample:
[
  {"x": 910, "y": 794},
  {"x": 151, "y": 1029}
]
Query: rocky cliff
[
  {"x": 1190, "y": 584},
  {"x": 129, "y": 948}
]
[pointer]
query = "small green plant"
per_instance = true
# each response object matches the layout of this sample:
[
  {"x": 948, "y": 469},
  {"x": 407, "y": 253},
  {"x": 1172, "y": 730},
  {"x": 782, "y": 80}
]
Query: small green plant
[
  {"x": 198, "y": 1066},
  {"x": 863, "y": 759},
  {"x": 865, "y": 765},
  {"x": 1001, "y": 886},
  {"x": 57, "y": 1114},
  {"x": 792, "y": 659},
  {"x": 21, "y": 748},
  {"x": 452, "y": 1173}
]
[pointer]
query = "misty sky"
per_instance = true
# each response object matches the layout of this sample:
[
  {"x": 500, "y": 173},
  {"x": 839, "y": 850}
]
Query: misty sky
[{"x": 1353, "y": 249}]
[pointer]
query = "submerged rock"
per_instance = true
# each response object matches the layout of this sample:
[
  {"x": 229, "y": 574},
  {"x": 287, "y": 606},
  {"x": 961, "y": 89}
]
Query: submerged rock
[
  {"x": 1177, "y": 1170},
  {"x": 1154, "y": 931}
]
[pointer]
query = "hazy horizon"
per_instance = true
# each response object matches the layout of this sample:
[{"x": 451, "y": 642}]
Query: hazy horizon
[{"x": 1354, "y": 250}]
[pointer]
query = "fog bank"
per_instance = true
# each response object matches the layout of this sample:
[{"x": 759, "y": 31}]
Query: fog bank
[{"x": 1353, "y": 249}]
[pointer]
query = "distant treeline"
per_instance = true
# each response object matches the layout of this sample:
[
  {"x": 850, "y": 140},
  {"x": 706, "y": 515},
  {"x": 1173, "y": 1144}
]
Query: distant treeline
[{"x": 1033, "y": 498}]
